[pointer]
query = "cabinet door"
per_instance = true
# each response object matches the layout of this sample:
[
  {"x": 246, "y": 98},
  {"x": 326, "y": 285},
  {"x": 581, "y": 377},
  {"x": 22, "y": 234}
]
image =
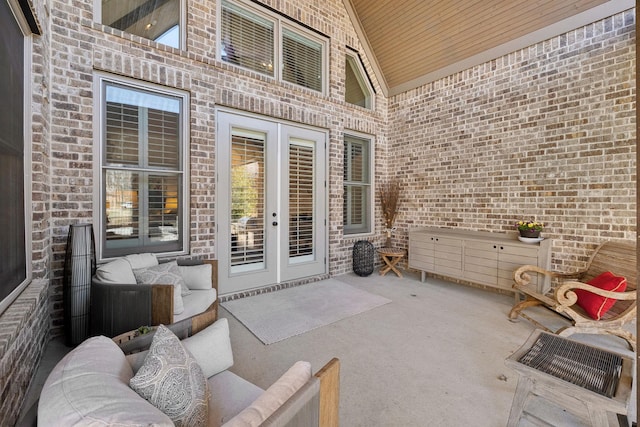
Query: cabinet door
[
  {"x": 421, "y": 248},
  {"x": 481, "y": 262},
  {"x": 448, "y": 256},
  {"x": 511, "y": 257}
]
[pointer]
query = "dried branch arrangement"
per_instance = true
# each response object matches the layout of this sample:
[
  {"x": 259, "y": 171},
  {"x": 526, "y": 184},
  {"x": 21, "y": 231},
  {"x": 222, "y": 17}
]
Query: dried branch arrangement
[{"x": 390, "y": 201}]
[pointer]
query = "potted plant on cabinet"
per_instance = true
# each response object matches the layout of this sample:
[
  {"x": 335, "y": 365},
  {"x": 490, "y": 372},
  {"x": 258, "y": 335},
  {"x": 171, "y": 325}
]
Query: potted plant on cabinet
[{"x": 530, "y": 229}]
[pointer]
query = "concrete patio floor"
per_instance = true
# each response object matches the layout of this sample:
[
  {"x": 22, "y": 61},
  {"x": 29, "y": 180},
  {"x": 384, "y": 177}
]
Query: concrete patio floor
[{"x": 433, "y": 357}]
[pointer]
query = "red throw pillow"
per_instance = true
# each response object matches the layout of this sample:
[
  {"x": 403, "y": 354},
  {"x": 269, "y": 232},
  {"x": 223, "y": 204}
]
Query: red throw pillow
[{"x": 596, "y": 305}]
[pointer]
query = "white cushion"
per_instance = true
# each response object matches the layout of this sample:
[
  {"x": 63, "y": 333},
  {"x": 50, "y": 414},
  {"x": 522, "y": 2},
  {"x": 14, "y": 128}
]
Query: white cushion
[
  {"x": 172, "y": 381},
  {"x": 197, "y": 276},
  {"x": 163, "y": 274},
  {"x": 90, "y": 386},
  {"x": 141, "y": 260},
  {"x": 212, "y": 348},
  {"x": 196, "y": 303},
  {"x": 230, "y": 394},
  {"x": 116, "y": 272},
  {"x": 274, "y": 397}
]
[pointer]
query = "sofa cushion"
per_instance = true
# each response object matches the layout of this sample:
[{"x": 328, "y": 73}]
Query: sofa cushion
[
  {"x": 597, "y": 306},
  {"x": 116, "y": 272},
  {"x": 165, "y": 274},
  {"x": 197, "y": 277},
  {"x": 230, "y": 394},
  {"x": 90, "y": 386},
  {"x": 276, "y": 395},
  {"x": 141, "y": 260},
  {"x": 196, "y": 303},
  {"x": 172, "y": 381},
  {"x": 211, "y": 348}
]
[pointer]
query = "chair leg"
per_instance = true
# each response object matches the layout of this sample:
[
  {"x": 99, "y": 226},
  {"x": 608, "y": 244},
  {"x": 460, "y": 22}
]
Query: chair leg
[
  {"x": 529, "y": 302},
  {"x": 523, "y": 389}
]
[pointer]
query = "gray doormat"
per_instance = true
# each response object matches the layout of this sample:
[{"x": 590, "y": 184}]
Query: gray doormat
[{"x": 278, "y": 315}]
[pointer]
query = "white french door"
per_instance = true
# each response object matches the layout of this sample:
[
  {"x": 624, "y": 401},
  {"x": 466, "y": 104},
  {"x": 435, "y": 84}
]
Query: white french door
[{"x": 271, "y": 202}]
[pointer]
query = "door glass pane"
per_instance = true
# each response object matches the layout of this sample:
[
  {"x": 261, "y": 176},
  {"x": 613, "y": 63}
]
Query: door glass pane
[
  {"x": 247, "y": 201},
  {"x": 301, "y": 197}
]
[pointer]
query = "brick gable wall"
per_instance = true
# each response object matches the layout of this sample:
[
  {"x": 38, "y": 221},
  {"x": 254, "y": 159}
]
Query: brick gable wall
[{"x": 547, "y": 132}]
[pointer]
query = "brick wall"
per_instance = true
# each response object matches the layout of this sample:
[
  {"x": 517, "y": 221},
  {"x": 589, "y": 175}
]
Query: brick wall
[
  {"x": 24, "y": 332},
  {"x": 83, "y": 47},
  {"x": 547, "y": 132}
]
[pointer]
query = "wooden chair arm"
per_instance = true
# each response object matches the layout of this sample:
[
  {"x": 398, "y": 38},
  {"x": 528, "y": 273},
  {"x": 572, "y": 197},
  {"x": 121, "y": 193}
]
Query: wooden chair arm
[
  {"x": 566, "y": 297},
  {"x": 329, "y": 377},
  {"x": 523, "y": 278},
  {"x": 161, "y": 304}
]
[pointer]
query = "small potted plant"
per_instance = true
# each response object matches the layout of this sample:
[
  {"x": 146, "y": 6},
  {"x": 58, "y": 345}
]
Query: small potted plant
[{"x": 529, "y": 229}]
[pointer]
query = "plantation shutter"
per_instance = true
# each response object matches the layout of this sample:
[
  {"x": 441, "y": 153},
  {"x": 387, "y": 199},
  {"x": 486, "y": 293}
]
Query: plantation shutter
[
  {"x": 301, "y": 197},
  {"x": 247, "y": 198},
  {"x": 247, "y": 39},
  {"x": 301, "y": 60},
  {"x": 357, "y": 186}
]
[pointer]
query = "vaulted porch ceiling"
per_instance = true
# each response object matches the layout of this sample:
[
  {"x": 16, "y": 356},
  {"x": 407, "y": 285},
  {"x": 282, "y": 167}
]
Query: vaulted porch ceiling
[{"x": 413, "y": 42}]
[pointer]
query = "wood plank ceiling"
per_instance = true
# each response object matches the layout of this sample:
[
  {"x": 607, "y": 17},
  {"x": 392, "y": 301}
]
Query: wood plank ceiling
[{"x": 413, "y": 42}]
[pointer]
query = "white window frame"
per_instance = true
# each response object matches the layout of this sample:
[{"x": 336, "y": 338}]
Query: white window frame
[
  {"x": 280, "y": 23},
  {"x": 100, "y": 79},
  {"x": 367, "y": 229},
  {"x": 182, "y": 22},
  {"x": 363, "y": 79}
]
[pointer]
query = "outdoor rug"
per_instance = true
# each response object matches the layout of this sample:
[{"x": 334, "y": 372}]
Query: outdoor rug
[{"x": 275, "y": 316}]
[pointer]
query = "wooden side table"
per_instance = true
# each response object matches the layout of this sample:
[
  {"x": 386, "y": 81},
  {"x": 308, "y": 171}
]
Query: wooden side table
[
  {"x": 391, "y": 257},
  {"x": 585, "y": 380}
]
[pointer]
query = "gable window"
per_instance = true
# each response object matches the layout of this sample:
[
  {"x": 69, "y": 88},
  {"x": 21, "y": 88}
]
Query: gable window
[
  {"x": 15, "y": 154},
  {"x": 356, "y": 211},
  {"x": 161, "y": 20},
  {"x": 142, "y": 172},
  {"x": 267, "y": 43},
  {"x": 358, "y": 90}
]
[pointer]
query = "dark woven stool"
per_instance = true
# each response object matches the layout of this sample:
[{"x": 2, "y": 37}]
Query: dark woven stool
[{"x": 363, "y": 257}]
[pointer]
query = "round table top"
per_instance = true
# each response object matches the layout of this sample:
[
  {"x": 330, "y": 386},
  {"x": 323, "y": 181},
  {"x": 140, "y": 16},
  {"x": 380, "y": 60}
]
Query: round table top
[{"x": 391, "y": 251}]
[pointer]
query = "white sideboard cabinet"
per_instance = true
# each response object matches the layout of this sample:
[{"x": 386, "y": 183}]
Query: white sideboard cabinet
[{"x": 474, "y": 256}]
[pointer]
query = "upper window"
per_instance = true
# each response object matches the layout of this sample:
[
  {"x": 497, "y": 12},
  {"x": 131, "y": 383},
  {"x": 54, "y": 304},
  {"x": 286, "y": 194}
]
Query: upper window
[
  {"x": 15, "y": 158},
  {"x": 160, "y": 21},
  {"x": 270, "y": 44},
  {"x": 358, "y": 90},
  {"x": 142, "y": 169},
  {"x": 356, "y": 211}
]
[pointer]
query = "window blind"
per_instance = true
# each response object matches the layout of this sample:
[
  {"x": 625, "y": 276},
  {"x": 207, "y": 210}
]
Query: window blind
[
  {"x": 301, "y": 60},
  {"x": 247, "y": 39},
  {"x": 301, "y": 196},
  {"x": 247, "y": 199},
  {"x": 357, "y": 197}
]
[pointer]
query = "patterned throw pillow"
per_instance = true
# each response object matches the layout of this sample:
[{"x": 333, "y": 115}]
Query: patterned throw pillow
[
  {"x": 167, "y": 273},
  {"x": 172, "y": 381}
]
